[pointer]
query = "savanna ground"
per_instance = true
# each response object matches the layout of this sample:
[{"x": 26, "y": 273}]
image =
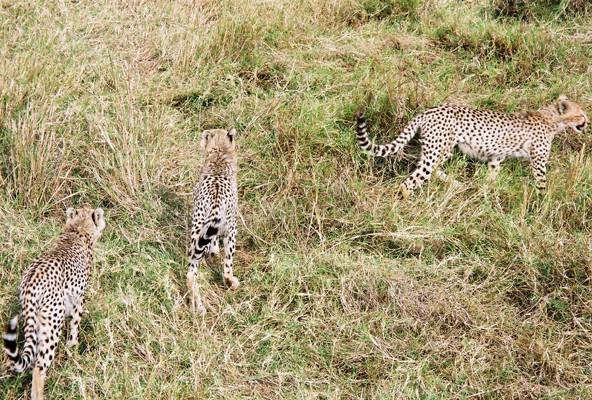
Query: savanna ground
[{"x": 478, "y": 291}]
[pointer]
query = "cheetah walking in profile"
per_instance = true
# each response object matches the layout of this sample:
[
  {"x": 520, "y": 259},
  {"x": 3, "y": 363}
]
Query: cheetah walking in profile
[
  {"x": 52, "y": 289},
  {"x": 488, "y": 136},
  {"x": 215, "y": 209}
]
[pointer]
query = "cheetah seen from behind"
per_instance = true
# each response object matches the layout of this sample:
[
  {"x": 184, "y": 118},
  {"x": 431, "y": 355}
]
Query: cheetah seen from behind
[
  {"x": 51, "y": 289},
  {"x": 488, "y": 136},
  {"x": 215, "y": 208}
]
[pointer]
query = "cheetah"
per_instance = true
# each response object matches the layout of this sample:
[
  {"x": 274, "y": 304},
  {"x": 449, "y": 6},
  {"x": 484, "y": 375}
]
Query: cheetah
[
  {"x": 52, "y": 288},
  {"x": 488, "y": 136},
  {"x": 215, "y": 209}
]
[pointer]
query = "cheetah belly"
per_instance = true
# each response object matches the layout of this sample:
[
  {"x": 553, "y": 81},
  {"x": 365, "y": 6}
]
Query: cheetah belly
[
  {"x": 470, "y": 151},
  {"x": 521, "y": 152},
  {"x": 68, "y": 302},
  {"x": 71, "y": 296}
]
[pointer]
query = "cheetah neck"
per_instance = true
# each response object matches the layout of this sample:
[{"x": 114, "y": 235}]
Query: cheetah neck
[
  {"x": 552, "y": 116},
  {"x": 220, "y": 163},
  {"x": 68, "y": 233}
]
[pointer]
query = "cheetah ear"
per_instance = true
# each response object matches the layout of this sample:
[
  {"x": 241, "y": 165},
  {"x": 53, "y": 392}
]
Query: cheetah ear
[
  {"x": 70, "y": 213},
  {"x": 231, "y": 134},
  {"x": 98, "y": 216},
  {"x": 562, "y": 104},
  {"x": 205, "y": 136}
]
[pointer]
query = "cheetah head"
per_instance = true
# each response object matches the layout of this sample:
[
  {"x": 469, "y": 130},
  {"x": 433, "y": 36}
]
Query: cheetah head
[
  {"x": 87, "y": 220},
  {"x": 572, "y": 114},
  {"x": 217, "y": 139}
]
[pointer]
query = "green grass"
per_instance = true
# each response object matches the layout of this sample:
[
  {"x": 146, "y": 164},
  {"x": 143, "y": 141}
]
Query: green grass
[{"x": 347, "y": 292}]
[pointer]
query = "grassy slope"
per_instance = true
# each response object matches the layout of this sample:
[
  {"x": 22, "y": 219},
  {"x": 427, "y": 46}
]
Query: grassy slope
[{"x": 347, "y": 292}]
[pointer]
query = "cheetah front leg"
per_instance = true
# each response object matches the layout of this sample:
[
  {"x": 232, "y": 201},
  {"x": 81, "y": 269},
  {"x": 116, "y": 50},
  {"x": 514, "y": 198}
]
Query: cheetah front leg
[
  {"x": 538, "y": 163},
  {"x": 539, "y": 171},
  {"x": 229, "y": 247}
]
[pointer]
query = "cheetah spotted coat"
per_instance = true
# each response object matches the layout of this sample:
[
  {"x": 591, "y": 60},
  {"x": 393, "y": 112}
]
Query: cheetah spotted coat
[
  {"x": 215, "y": 209},
  {"x": 53, "y": 288},
  {"x": 488, "y": 136}
]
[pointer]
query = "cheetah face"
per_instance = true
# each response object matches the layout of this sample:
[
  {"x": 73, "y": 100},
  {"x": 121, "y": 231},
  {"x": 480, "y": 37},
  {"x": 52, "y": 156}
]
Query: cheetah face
[
  {"x": 572, "y": 114},
  {"x": 86, "y": 219},
  {"x": 217, "y": 139}
]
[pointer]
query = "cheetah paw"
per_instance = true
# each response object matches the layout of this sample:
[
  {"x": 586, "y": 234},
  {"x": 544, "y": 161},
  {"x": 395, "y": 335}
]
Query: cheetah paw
[
  {"x": 200, "y": 309},
  {"x": 232, "y": 282},
  {"x": 72, "y": 342},
  {"x": 455, "y": 183},
  {"x": 197, "y": 306},
  {"x": 405, "y": 193}
]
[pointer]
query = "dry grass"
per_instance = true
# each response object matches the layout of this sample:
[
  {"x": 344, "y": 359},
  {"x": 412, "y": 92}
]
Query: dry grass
[{"x": 481, "y": 291}]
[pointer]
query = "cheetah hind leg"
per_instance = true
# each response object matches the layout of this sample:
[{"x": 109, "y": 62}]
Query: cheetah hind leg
[
  {"x": 426, "y": 165},
  {"x": 443, "y": 176},
  {"x": 193, "y": 288},
  {"x": 50, "y": 327},
  {"x": 229, "y": 242},
  {"x": 493, "y": 166},
  {"x": 76, "y": 314},
  {"x": 439, "y": 173},
  {"x": 405, "y": 191},
  {"x": 38, "y": 384},
  {"x": 214, "y": 248}
]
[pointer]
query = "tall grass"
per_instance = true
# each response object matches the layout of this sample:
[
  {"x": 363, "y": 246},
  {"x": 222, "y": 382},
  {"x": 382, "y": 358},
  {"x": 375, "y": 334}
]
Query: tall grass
[{"x": 481, "y": 290}]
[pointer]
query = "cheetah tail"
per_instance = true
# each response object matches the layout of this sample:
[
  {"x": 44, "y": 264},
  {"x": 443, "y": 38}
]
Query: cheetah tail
[
  {"x": 10, "y": 346},
  {"x": 363, "y": 140},
  {"x": 22, "y": 361},
  {"x": 207, "y": 233},
  {"x": 384, "y": 150}
]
